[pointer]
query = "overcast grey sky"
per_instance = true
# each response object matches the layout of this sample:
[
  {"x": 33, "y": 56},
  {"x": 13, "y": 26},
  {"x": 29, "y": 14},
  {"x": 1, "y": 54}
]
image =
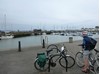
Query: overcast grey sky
[{"x": 48, "y": 14}]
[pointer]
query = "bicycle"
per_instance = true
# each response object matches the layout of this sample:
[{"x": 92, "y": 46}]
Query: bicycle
[
  {"x": 61, "y": 56},
  {"x": 93, "y": 61}
]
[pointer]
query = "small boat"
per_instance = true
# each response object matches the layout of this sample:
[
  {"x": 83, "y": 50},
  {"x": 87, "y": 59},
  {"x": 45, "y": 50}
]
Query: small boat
[
  {"x": 90, "y": 34},
  {"x": 6, "y": 36}
]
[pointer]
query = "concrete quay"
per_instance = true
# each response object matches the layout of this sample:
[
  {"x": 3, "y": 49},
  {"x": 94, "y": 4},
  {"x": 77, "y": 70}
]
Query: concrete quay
[{"x": 14, "y": 62}]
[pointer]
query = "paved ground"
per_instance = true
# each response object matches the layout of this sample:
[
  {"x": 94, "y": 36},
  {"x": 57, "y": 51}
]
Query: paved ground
[{"x": 14, "y": 62}]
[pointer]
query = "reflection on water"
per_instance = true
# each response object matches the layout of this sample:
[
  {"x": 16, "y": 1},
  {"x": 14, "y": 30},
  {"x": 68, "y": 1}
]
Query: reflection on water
[{"x": 36, "y": 41}]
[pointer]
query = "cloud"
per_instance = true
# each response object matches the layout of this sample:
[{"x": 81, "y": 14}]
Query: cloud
[{"x": 30, "y": 12}]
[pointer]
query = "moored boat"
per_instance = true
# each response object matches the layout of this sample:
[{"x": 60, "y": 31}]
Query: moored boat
[{"x": 6, "y": 36}]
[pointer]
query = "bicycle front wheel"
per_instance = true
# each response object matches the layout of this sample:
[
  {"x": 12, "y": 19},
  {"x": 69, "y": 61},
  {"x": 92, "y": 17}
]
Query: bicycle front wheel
[
  {"x": 70, "y": 60},
  {"x": 79, "y": 59}
]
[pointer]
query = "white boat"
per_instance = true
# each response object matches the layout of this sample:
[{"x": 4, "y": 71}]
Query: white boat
[
  {"x": 6, "y": 36},
  {"x": 90, "y": 34}
]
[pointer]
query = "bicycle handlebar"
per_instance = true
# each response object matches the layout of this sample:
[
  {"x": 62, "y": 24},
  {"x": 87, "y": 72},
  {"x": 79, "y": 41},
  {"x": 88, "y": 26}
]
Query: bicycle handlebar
[{"x": 97, "y": 51}]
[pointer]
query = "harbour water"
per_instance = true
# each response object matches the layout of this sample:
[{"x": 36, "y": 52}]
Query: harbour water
[{"x": 36, "y": 41}]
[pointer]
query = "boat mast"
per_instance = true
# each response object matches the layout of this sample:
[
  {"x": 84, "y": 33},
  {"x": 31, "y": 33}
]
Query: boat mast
[{"x": 5, "y": 22}]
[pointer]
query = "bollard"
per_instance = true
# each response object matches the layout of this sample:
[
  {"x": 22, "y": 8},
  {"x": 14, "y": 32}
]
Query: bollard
[
  {"x": 43, "y": 44},
  {"x": 19, "y": 46},
  {"x": 70, "y": 39}
]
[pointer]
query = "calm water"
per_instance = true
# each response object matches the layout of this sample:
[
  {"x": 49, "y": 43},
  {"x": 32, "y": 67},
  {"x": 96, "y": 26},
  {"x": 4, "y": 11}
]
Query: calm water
[{"x": 36, "y": 41}]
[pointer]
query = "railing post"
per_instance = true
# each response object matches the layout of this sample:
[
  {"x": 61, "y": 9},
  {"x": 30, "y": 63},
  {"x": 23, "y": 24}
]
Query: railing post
[
  {"x": 46, "y": 40},
  {"x": 19, "y": 46}
]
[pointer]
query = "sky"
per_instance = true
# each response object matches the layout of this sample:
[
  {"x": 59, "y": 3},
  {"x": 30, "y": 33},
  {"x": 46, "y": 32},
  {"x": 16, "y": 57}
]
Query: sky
[{"x": 48, "y": 14}]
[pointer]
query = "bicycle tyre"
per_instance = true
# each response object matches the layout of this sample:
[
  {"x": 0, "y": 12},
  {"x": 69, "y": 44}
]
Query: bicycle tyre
[
  {"x": 70, "y": 60},
  {"x": 37, "y": 66},
  {"x": 79, "y": 59}
]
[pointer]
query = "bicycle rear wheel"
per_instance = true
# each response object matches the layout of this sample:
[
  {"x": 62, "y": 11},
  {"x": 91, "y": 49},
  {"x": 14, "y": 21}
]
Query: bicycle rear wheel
[
  {"x": 79, "y": 59},
  {"x": 38, "y": 67}
]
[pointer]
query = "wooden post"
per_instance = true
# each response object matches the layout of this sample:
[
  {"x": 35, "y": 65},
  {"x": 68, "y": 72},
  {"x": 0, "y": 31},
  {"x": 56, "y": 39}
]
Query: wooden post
[{"x": 19, "y": 46}]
